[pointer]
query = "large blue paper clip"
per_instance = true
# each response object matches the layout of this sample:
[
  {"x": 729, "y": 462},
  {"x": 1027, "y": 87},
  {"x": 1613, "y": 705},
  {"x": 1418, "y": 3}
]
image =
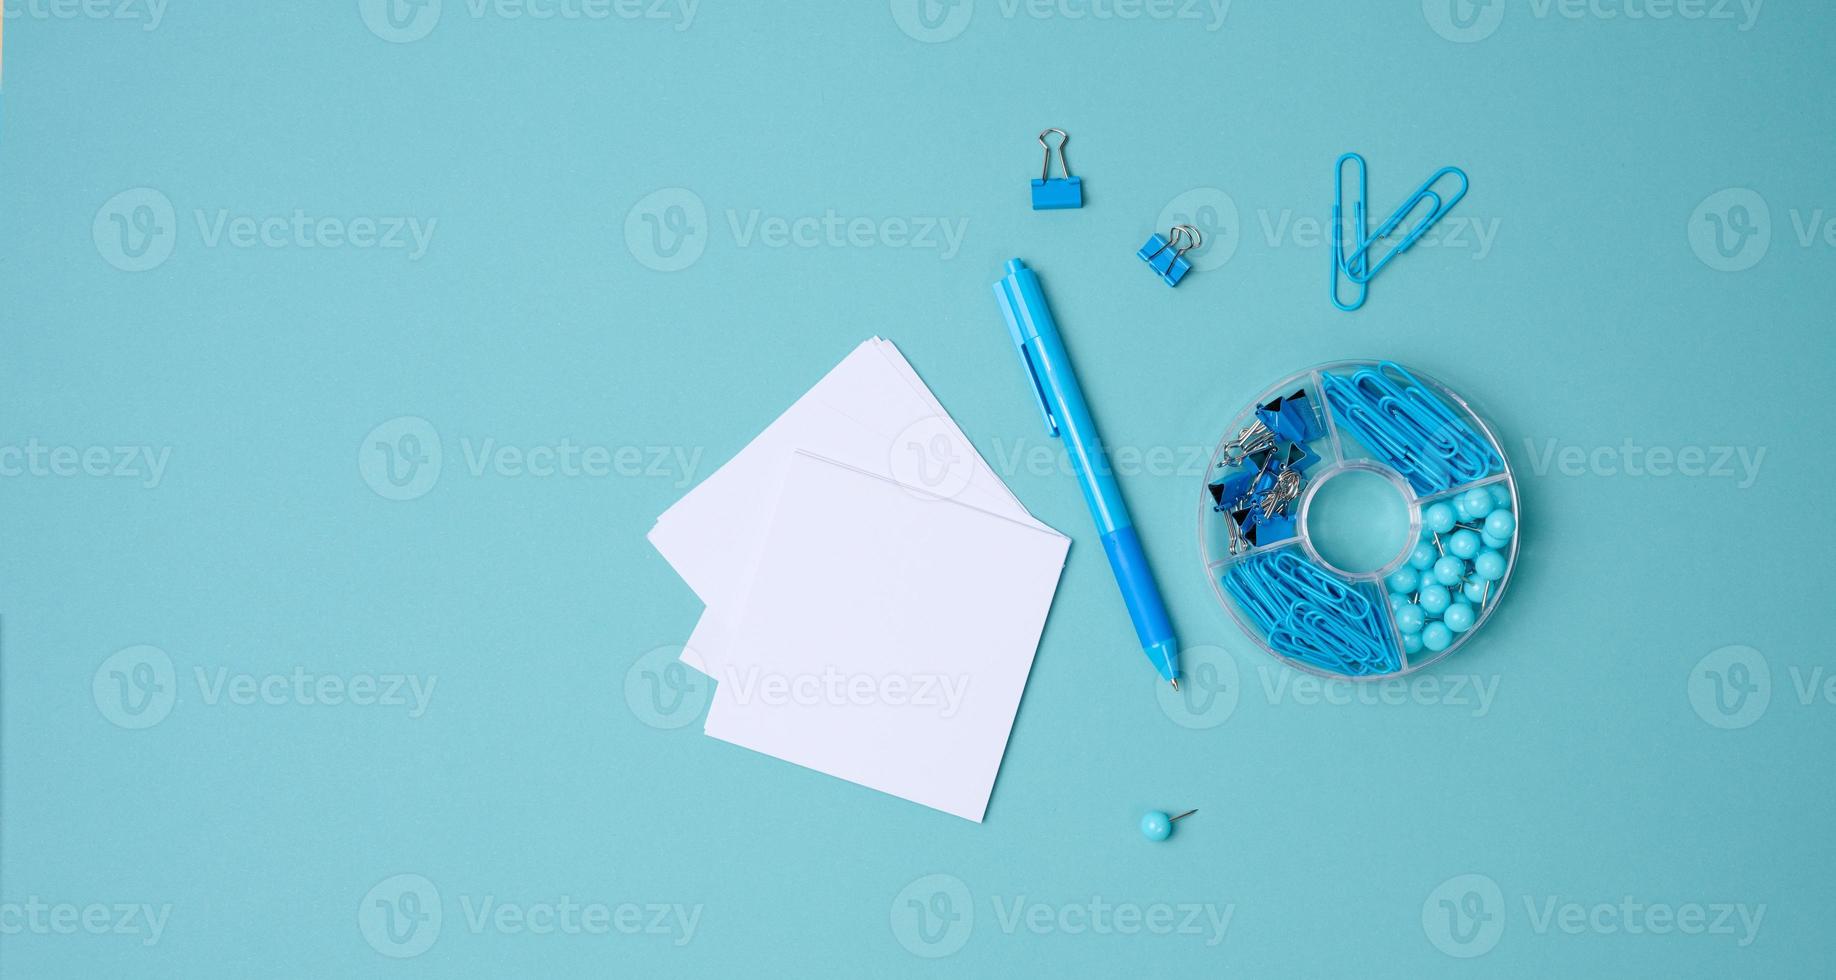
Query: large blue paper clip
[
  {"x": 1057, "y": 193},
  {"x": 1165, "y": 254},
  {"x": 1357, "y": 264},
  {"x": 1306, "y": 614},
  {"x": 1401, "y": 421}
]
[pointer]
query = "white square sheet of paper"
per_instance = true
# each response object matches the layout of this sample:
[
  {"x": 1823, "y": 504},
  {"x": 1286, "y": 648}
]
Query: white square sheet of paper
[
  {"x": 871, "y": 412},
  {"x": 887, "y": 635}
]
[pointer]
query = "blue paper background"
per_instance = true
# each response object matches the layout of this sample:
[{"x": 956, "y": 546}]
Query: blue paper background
[{"x": 564, "y": 162}]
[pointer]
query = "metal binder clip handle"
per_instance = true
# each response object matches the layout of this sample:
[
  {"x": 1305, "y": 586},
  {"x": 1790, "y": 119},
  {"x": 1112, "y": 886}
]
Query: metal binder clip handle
[
  {"x": 1056, "y": 193},
  {"x": 1064, "y": 165}
]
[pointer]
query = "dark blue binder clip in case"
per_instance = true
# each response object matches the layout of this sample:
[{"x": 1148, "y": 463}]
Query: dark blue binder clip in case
[
  {"x": 1056, "y": 193},
  {"x": 1292, "y": 419},
  {"x": 1166, "y": 254}
]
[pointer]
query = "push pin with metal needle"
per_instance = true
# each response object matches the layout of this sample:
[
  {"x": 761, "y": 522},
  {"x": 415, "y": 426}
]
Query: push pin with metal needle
[{"x": 1157, "y": 826}]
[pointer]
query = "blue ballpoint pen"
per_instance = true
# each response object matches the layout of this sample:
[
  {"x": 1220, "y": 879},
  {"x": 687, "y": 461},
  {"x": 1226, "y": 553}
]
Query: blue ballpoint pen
[{"x": 1048, "y": 368}]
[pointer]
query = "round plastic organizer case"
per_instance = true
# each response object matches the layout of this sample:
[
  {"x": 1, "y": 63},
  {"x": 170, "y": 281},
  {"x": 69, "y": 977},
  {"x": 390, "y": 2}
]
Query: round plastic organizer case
[{"x": 1359, "y": 520}]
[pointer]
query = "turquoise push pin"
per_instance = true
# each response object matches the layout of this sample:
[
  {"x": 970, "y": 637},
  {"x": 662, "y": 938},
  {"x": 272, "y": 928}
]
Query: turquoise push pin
[{"x": 1156, "y": 825}]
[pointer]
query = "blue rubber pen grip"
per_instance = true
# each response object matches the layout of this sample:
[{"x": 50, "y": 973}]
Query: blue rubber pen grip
[{"x": 1145, "y": 607}]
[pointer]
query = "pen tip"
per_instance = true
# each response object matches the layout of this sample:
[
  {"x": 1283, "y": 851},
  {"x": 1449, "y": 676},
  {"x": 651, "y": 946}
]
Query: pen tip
[{"x": 1175, "y": 682}]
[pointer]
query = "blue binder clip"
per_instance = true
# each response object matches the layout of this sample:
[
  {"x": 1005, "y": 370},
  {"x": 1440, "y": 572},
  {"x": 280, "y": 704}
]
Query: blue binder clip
[
  {"x": 1057, "y": 194},
  {"x": 1278, "y": 528},
  {"x": 1165, "y": 254},
  {"x": 1301, "y": 456},
  {"x": 1291, "y": 418}
]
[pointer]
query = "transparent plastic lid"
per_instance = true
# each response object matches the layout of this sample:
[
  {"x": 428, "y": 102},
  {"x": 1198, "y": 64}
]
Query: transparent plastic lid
[{"x": 1359, "y": 519}]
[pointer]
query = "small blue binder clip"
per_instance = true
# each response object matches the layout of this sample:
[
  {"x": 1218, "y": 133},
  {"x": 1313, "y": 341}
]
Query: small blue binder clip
[
  {"x": 1057, "y": 194},
  {"x": 1301, "y": 456},
  {"x": 1165, "y": 254},
  {"x": 1270, "y": 416},
  {"x": 1291, "y": 418},
  {"x": 1277, "y": 528},
  {"x": 1233, "y": 487}
]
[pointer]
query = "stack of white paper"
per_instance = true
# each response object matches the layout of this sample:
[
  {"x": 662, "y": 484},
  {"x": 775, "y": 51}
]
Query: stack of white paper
[{"x": 874, "y": 593}]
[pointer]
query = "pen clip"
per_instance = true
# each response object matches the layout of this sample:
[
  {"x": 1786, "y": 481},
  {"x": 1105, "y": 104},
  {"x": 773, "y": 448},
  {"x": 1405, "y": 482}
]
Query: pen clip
[
  {"x": 1032, "y": 374},
  {"x": 1004, "y": 291}
]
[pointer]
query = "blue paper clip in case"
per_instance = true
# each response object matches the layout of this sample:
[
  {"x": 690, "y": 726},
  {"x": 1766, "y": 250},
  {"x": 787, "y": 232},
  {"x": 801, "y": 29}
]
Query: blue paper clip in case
[{"x": 1056, "y": 193}]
